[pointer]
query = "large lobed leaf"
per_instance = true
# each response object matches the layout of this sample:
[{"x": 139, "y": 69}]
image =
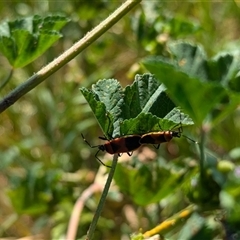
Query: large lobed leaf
[
  {"x": 24, "y": 40},
  {"x": 139, "y": 108},
  {"x": 198, "y": 85}
]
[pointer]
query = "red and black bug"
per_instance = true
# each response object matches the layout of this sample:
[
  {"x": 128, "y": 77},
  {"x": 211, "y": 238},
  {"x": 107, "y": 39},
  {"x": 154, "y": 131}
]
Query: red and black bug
[
  {"x": 125, "y": 144},
  {"x": 156, "y": 138}
]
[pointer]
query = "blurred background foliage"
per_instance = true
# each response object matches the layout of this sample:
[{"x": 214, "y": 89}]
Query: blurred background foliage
[{"x": 45, "y": 165}]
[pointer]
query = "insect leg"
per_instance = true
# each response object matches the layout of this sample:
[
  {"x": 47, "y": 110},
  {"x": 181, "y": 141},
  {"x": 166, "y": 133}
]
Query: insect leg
[
  {"x": 190, "y": 139},
  {"x": 103, "y": 138},
  {"x": 96, "y": 156},
  {"x": 129, "y": 154}
]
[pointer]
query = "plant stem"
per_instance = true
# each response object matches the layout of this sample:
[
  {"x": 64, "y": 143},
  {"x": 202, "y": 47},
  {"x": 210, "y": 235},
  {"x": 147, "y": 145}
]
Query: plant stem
[
  {"x": 78, "y": 208},
  {"x": 68, "y": 55},
  {"x": 102, "y": 200}
]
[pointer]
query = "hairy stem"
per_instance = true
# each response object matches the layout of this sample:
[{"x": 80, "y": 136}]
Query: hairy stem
[
  {"x": 103, "y": 199},
  {"x": 78, "y": 208}
]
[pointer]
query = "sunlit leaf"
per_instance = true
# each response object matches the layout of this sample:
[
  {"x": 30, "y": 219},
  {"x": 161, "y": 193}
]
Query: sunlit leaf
[
  {"x": 139, "y": 108},
  {"x": 24, "y": 40}
]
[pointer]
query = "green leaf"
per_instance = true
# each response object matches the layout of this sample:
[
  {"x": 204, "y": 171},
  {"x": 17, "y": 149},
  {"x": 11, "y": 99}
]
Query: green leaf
[
  {"x": 142, "y": 185},
  {"x": 145, "y": 123},
  {"x": 219, "y": 68},
  {"x": 24, "y": 40},
  {"x": 186, "y": 91},
  {"x": 191, "y": 78},
  {"x": 190, "y": 59},
  {"x": 37, "y": 191},
  {"x": 137, "y": 109},
  {"x": 24, "y": 194},
  {"x": 224, "y": 68},
  {"x": 154, "y": 31},
  {"x": 110, "y": 93},
  {"x": 146, "y": 95},
  {"x": 105, "y": 100},
  {"x": 180, "y": 27},
  {"x": 223, "y": 109}
]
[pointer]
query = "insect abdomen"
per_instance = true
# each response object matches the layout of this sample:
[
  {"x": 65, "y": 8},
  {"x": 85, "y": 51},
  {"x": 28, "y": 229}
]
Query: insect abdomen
[
  {"x": 123, "y": 144},
  {"x": 156, "y": 137}
]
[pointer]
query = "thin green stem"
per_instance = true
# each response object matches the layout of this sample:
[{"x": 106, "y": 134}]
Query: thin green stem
[
  {"x": 68, "y": 55},
  {"x": 102, "y": 200},
  {"x": 6, "y": 80}
]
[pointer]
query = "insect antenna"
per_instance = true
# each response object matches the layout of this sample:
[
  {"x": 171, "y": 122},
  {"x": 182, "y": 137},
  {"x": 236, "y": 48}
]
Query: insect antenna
[
  {"x": 100, "y": 148},
  {"x": 181, "y": 130},
  {"x": 85, "y": 140},
  {"x": 190, "y": 139},
  {"x": 103, "y": 138}
]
